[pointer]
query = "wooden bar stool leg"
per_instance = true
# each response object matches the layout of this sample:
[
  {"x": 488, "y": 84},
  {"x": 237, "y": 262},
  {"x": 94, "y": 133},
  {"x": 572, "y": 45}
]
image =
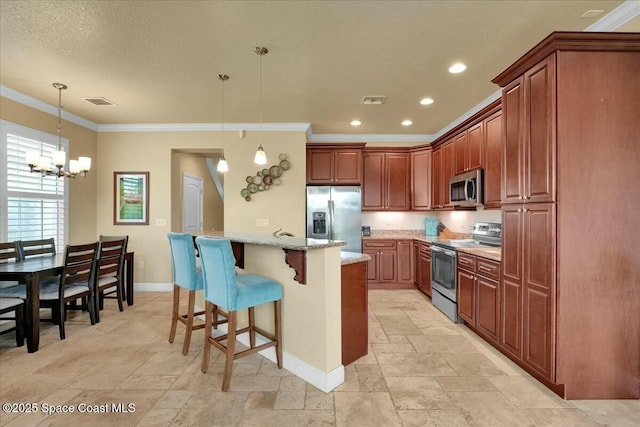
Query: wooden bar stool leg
[
  {"x": 231, "y": 347},
  {"x": 174, "y": 315},
  {"x": 252, "y": 327},
  {"x": 208, "y": 321},
  {"x": 187, "y": 334},
  {"x": 278, "y": 329},
  {"x": 215, "y": 316}
]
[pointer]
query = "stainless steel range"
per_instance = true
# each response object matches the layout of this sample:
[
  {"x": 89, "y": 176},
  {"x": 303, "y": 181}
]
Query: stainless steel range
[{"x": 444, "y": 276}]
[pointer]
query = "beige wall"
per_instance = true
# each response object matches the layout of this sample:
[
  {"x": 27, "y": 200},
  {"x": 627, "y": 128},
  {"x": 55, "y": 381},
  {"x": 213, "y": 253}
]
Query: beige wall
[
  {"x": 82, "y": 142},
  {"x": 212, "y": 205},
  {"x": 283, "y": 206}
]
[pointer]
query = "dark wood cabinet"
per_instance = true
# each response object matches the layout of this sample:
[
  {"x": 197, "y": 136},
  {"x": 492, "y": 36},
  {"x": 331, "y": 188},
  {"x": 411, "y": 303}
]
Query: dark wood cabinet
[
  {"x": 421, "y": 180},
  {"x": 448, "y": 172},
  {"x": 405, "y": 262},
  {"x": 437, "y": 201},
  {"x": 467, "y": 296},
  {"x": 386, "y": 180},
  {"x": 511, "y": 282},
  {"x": 443, "y": 170},
  {"x": 493, "y": 161},
  {"x": 529, "y": 153},
  {"x": 383, "y": 267},
  {"x": 355, "y": 329},
  {"x": 422, "y": 252},
  {"x": 329, "y": 165},
  {"x": 468, "y": 149}
]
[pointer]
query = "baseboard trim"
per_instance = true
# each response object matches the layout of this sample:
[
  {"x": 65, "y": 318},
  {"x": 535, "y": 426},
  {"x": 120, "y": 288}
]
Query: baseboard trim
[
  {"x": 325, "y": 381},
  {"x": 152, "y": 287}
]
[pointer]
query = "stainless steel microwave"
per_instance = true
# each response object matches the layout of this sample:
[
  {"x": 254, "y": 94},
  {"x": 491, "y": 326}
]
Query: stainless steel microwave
[{"x": 466, "y": 189}]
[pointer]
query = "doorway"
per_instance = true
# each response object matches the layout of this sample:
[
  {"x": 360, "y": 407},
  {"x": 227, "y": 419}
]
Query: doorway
[{"x": 192, "y": 201}]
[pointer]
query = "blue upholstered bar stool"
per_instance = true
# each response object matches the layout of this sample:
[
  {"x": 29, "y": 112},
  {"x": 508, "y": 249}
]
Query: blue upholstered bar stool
[
  {"x": 187, "y": 275},
  {"x": 233, "y": 292}
]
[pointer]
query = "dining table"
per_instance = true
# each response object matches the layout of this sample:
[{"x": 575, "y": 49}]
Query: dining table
[{"x": 32, "y": 271}]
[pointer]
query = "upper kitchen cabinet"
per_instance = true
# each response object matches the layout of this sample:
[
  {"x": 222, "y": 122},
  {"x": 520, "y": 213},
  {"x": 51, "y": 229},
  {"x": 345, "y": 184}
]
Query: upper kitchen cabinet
[
  {"x": 442, "y": 171},
  {"x": 386, "y": 184},
  {"x": 493, "y": 160},
  {"x": 529, "y": 152},
  {"x": 334, "y": 164},
  {"x": 421, "y": 179},
  {"x": 468, "y": 149},
  {"x": 570, "y": 269}
]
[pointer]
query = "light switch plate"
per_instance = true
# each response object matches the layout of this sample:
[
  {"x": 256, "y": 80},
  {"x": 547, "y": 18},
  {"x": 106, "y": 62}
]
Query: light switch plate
[
  {"x": 161, "y": 222},
  {"x": 262, "y": 222}
]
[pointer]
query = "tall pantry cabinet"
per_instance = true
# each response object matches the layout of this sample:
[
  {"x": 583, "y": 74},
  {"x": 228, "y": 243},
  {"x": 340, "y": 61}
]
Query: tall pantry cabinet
[{"x": 570, "y": 283}]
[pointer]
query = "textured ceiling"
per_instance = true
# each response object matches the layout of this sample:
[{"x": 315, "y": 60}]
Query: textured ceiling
[{"x": 158, "y": 60}]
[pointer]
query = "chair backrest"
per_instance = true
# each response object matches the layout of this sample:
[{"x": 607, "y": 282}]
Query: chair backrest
[
  {"x": 183, "y": 261},
  {"x": 218, "y": 271},
  {"x": 80, "y": 263},
  {"x": 8, "y": 252},
  {"x": 29, "y": 248},
  {"x": 104, "y": 238},
  {"x": 111, "y": 257}
]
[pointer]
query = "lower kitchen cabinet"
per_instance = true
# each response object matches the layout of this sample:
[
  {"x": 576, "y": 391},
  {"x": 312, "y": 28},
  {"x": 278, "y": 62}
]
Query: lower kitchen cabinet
[
  {"x": 422, "y": 256},
  {"x": 391, "y": 265},
  {"x": 405, "y": 262},
  {"x": 479, "y": 295}
]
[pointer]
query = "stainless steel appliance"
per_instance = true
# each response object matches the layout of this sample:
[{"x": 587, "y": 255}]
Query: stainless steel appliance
[
  {"x": 466, "y": 189},
  {"x": 335, "y": 213},
  {"x": 444, "y": 275}
]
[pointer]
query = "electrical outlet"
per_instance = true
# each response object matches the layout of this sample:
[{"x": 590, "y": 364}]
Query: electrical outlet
[
  {"x": 141, "y": 264},
  {"x": 161, "y": 222},
  {"x": 262, "y": 222}
]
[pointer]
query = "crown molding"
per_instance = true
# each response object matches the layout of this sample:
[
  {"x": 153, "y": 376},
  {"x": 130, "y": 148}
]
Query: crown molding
[
  {"x": 327, "y": 137},
  {"x": 205, "y": 127},
  {"x": 617, "y": 17},
  {"x": 34, "y": 103}
]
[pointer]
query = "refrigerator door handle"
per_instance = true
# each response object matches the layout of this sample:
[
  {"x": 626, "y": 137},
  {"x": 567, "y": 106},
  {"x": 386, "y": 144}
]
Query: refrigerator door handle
[{"x": 332, "y": 214}]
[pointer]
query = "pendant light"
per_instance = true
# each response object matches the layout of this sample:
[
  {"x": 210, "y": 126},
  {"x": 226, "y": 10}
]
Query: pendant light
[
  {"x": 261, "y": 157},
  {"x": 222, "y": 163},
  {"x": 41, "y": 164}
]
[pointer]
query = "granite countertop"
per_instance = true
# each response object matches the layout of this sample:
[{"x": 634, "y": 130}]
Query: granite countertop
[
  {"x": 493, "y": 253},
  {"x": 353, "y": 257},
  {"x": 284, "y": 242}
]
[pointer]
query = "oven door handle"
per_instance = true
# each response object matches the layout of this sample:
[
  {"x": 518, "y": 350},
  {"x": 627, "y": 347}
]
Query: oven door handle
[{"x": 444, "y": 251}]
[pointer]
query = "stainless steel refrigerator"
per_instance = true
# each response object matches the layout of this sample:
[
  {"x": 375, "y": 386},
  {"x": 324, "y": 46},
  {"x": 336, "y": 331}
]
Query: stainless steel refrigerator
[{"x": 335, "y": 213}]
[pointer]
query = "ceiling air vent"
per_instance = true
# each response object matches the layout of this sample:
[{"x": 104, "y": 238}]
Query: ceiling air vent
[
  {"x": 99, "y": 101},
  {"x": 373, "y": 100}
]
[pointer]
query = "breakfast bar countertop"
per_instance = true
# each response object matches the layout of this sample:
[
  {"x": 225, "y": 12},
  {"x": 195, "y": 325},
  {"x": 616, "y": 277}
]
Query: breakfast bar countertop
[
  {"x": 284, "y": 242},
  {"x": 353, "y": 257}
]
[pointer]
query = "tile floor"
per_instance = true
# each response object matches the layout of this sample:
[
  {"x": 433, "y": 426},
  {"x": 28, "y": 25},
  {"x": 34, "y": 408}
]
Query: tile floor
[{"x": 421, "y": 370}]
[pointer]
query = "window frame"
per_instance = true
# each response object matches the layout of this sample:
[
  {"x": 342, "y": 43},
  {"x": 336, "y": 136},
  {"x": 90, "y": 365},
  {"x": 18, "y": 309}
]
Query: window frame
[{"x": 7, "y": 128}]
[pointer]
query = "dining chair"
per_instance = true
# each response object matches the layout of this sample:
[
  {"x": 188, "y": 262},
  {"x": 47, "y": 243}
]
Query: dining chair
[
  {"x": 8, "y": 253},
  {"x": 76, "y": 281},
  {"x": 16, "y": 305},
  {"x": 40, "y": 247},
  {"x": 110, "y": 272},
  {"x": 226, "y": 289}
]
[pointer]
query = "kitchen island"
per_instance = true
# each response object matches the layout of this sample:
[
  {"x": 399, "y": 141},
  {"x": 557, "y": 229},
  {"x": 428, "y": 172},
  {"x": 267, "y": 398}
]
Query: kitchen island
[{"x": 310, "y": 272}]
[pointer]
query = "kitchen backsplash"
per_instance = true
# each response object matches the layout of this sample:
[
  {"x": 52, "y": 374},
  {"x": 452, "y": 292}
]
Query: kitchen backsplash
[{"x": 456, "y": 221}]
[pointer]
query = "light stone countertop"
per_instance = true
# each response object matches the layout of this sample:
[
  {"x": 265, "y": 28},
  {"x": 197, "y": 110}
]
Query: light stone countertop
[
  {"x": 492, "y": 253},
  {"x": 353, "y": 257},
  {"x": 284, "y": 242}
]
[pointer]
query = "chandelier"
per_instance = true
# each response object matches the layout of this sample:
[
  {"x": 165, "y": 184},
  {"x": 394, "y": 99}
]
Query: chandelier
[
  {"x": 223, "y": 166},
  {"x": 42, "y": 164}
]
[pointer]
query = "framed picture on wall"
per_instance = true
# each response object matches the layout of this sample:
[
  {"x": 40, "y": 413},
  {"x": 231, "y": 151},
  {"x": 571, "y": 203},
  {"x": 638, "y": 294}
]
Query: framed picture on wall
[{"x": 131, "y": 198}]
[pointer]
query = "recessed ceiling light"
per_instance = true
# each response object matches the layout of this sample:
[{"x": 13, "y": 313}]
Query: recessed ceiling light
[
  {"x": 356, "y": 122},
  {"x": 457, "y": 68},
  {"x": 426, "y": 101},
  {"x": 407, "y": 123}
]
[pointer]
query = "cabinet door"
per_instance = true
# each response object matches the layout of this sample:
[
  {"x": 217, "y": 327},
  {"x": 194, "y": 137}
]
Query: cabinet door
[
  {"x": 421, "y": 180},
  {"x": 372, "y": 265},
  {"x": 347, "y": 166},
  {"x": 426, "y": 274},
  {"x": 512, "y": 150},
  {"x": 398, "y": 182},
  {"x": 466, "y": 296},
  {"x": 373, "y": 181},
  {"x": 488, "y": 308},
  {"x": 539, "y": 287},
  {"x": 540, "y": 135},
  {"x": 511, "y": 282},
  {"x": 493, "y": 160},
  {"x": 474, "y": 147},
  {"x": 436, "y": 178},
  {"x": 447, "y": 172},
  {"x": 460, "y": 150},
  {"x": 405, "y": 261},
  {"x": 387, "y": 266},
  {"x": 319, "y": 166},
  {"x": 416, "y": 262}
]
